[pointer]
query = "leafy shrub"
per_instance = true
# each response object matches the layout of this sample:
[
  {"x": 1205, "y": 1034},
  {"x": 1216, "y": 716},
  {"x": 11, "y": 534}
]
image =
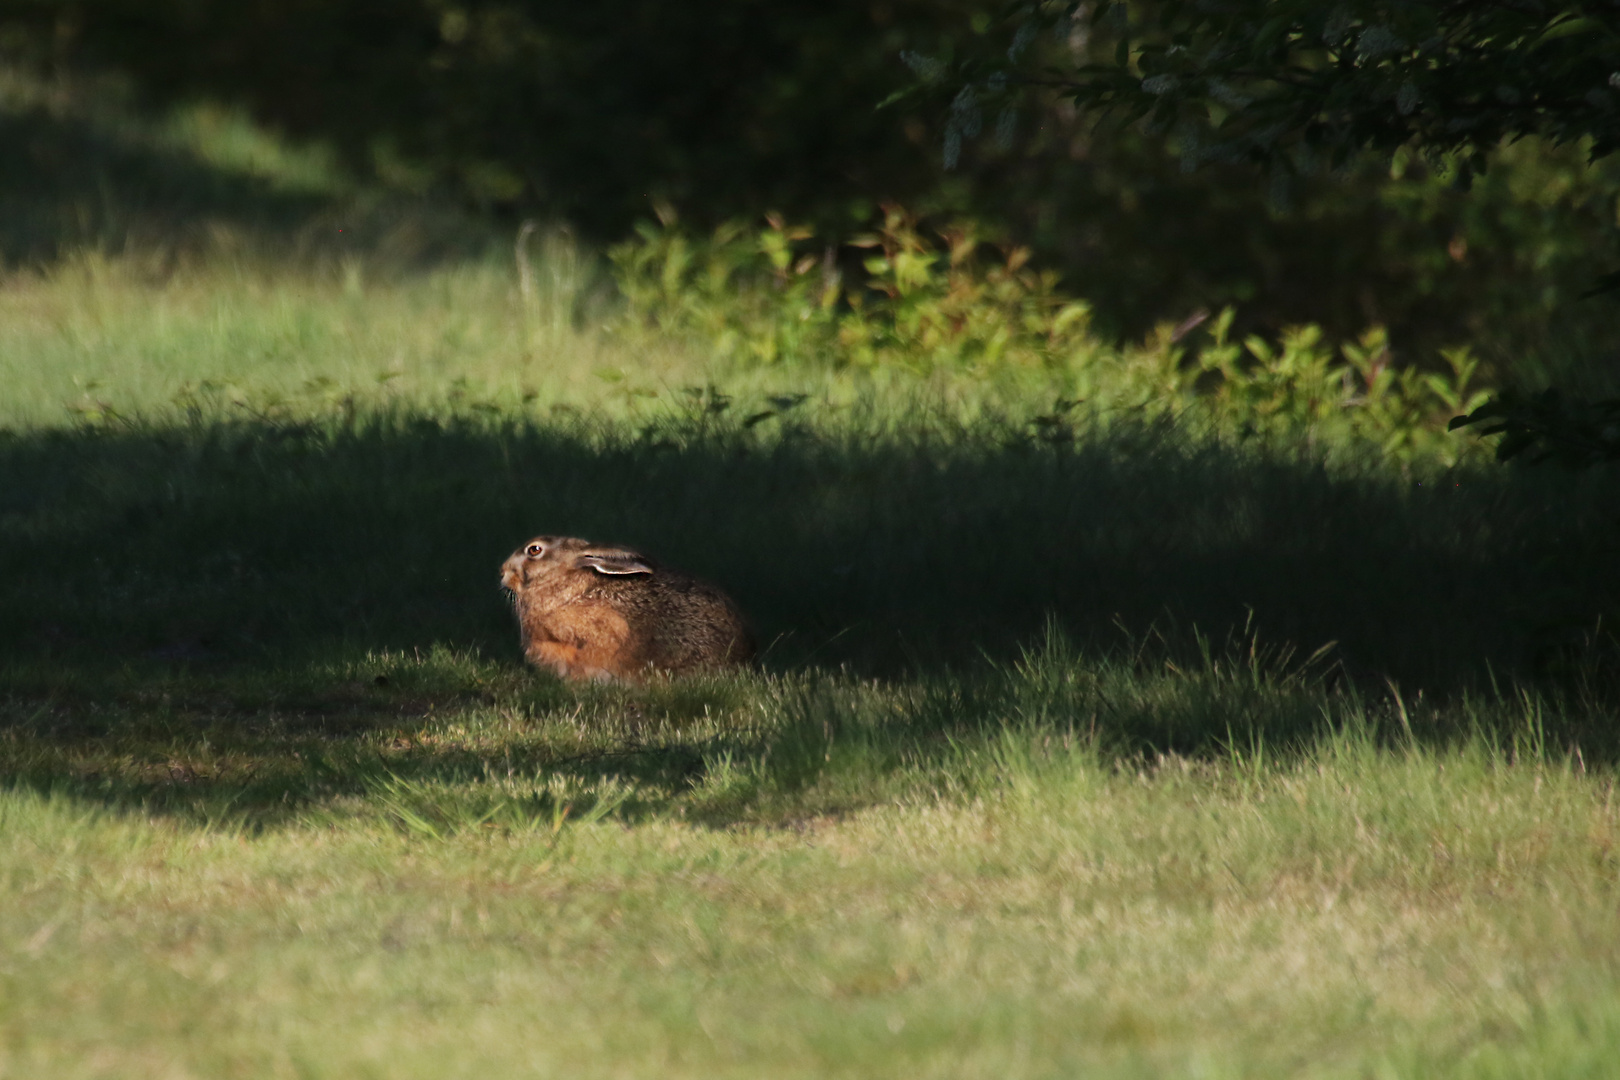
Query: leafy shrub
[
  {"x": 1299, "y": 384},
  {"x": 925, "y": 302},
  {"x": 747, "y": 294}
]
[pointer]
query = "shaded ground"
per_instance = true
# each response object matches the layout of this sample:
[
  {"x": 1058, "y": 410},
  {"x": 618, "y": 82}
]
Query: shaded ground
[
  {"x": 254, "y": 614},
  {"x": 245, "y": 541},
  {"x": 79, "y": 168}
]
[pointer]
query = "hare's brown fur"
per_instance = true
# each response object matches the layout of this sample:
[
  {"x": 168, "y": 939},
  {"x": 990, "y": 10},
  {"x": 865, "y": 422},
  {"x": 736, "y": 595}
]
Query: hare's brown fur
[{"x": 598, "y": 611}]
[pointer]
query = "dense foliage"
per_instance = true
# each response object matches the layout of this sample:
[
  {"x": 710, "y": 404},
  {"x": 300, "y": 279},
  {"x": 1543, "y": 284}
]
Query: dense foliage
[
  {"x": 1302, "y": 88},
  {"x": 1303, "y": 91},
  {"x": 928, "y": 301},
  {"x": 1311, "y": 84}
]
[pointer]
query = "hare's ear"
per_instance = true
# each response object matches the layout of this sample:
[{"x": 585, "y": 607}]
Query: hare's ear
[{"x": 613, "y": 562}]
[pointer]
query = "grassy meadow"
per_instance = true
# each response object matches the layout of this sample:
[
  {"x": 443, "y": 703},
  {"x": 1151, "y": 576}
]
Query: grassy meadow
[{"x": 1083, "y": 742}]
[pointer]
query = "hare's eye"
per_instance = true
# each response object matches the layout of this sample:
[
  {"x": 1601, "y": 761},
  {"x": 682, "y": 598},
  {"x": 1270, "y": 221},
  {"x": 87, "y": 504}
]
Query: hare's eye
[{"x": 534, "y": 551}]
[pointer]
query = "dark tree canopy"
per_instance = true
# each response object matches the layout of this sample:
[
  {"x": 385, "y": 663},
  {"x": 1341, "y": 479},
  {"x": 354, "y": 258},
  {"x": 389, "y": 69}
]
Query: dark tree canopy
[
  {"x": 588, "y": 111},
  {"x": 1305, "y": 84}
]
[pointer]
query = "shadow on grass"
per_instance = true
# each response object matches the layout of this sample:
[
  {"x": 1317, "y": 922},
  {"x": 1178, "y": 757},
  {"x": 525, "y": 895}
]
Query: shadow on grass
[
  {"x": 265, "y": 770},
  {"x": 70, "y": 180},
  {"x": 234, "y": 543},
  {"x": 308, "y": 602}
]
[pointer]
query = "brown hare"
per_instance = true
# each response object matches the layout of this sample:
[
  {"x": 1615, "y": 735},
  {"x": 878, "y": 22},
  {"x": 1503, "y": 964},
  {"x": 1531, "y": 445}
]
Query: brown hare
[{"x": 600, "y": 612}]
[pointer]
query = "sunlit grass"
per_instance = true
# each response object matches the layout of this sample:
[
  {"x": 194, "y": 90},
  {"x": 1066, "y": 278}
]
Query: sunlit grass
[
  {"x": 96, "y": 336},
  {"x": 433, "y": 865},
  {"x": 92, "y": 335},
  {"x": 1344, "y": 911}
]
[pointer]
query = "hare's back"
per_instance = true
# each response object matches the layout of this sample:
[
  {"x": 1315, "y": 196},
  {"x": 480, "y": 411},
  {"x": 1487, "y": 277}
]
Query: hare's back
[{"x": 679, "y": 621}]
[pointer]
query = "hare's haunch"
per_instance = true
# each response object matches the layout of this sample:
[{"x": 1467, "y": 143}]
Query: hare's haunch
[{"x": 596, "y": 611}]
